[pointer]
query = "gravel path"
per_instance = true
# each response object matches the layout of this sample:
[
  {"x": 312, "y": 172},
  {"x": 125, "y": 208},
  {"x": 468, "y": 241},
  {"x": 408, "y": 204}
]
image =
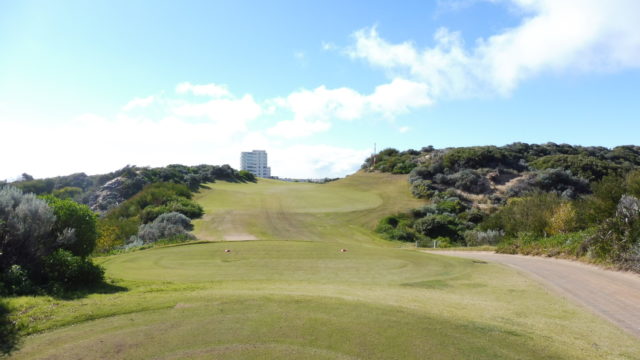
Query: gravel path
[{"x": 611, "y": 294}]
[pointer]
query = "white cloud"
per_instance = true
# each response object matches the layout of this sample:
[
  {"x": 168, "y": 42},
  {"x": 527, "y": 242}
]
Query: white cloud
[
  {"x": 569, "y": 35},
  {"x": 229, "y": 114},
  {"x": 212, "y": 90},
  {"x": 315, "y": 161},
  {"x": 314, "y": 109},
  {"x": 323, "y": 103},
  {"x": 398, "y": 97},
  {"x": 139, "y": 103},
  {"x": 403, "y": 129},
  {"x": 289, "y": 129},
  {"x": 328, "y": 46},
  {"x": 165, "y": 132}
]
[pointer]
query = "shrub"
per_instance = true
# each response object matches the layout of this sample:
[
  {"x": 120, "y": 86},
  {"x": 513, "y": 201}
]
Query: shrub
[
  {"x": 71, "y": 215},
  {"x": 156, "y": 194},
  {"x": 440, "y": 242},
  {"x": 563, "y": 219},
  {"x": 68, "y": 192},
  {"x": 527, "y": 214},
  {"x": 478, "y": 237},
  {"x": 397, "y": 227},
  {"x": 16, "y": 281},
  {"x": 480, "y": 157},
  {"x": 65, "y": 271},
  {"x": 451, "y": 205},
  {"x": 439, "y": 225},
  {"x": 422, "y": 189},
  {"x": 25, "y": 228},
  {"x": 113, "y": 232},
  {"x": 184, "y": 206},
  {"x": 470, "y": 181},
  {"x": 618, "y": 237},
  {"x": 631, "y": 259},
  {"x": 247, "y": 176},
  {"x": 561, "y": 182},
  {"x": 588, "y": 167},
  {"x": 170, "y": 225}
]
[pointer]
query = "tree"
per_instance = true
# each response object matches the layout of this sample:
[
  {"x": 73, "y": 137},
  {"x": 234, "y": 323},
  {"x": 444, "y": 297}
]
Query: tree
[
  {"x": 25, "y": 228},
  {"x": 78, "y": 218}
]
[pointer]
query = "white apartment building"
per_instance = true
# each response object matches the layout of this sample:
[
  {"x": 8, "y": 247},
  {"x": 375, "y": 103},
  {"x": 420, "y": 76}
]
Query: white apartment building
[{"x": 255, "y": 162}]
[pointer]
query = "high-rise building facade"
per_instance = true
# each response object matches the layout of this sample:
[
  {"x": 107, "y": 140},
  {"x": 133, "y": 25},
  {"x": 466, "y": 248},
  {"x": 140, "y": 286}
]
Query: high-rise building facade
[{"x": 255, "y": 162}]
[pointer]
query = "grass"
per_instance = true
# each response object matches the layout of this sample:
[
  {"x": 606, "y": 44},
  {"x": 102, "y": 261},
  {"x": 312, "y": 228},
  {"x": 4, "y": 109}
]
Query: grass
[{"x": 294, "y": 294}]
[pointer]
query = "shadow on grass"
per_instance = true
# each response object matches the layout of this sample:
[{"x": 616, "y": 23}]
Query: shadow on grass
[
  {"x": 9, "y": 333},
  {"x": 103, "y": 288},
  {"x": 9, "y": 336}
]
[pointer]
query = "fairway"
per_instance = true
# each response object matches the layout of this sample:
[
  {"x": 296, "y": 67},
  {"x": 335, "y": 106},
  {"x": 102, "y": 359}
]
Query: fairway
[{"x": 285, "y": 290}]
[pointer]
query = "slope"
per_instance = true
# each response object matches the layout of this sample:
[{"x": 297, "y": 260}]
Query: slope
[{"x": 293, "y": 292}]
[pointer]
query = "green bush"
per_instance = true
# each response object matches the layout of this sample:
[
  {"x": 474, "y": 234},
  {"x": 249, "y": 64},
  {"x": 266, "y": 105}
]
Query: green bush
[
  {"x": 247, "y": 176},
  {"x": 530, "y": 214},
  {"x": 25, "y": 228},
  {"x": 65, "y": 271},
  {"x": 479, "y": 157},
  {"x": 422, "y": 189},
  {"x": 452, "y": 205},
  {"x": 71, "y": 215},
  {"x": 16, "y": 281},
  {"x": 439, "y": 225},
  {"x": 618, "y": 236},
  {"x": 68, "y": 192},
  {"x": 397, "y": 227},
  {"x": 469, "y": 181},
  {"x": 588, "y": 167},
  {"x": 183, "y": 206}
]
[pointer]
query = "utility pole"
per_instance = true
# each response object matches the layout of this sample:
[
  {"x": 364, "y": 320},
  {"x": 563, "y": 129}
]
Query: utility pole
[{"x": 374, "y": 156}]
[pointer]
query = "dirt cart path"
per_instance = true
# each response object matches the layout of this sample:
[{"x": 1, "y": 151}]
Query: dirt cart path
[{"x": 611, "y": 294}]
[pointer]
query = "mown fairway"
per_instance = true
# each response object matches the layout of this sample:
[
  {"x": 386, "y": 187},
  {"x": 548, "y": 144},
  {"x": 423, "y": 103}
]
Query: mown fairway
[{"x": 292, "y": 294}]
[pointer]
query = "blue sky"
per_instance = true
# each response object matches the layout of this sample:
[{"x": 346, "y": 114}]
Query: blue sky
[{"x": 93, "y": 86}]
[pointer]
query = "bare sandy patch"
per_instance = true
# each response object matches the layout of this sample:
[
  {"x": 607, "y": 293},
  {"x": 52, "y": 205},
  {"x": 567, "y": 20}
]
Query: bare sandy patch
[{"x": 239, "y": 237}]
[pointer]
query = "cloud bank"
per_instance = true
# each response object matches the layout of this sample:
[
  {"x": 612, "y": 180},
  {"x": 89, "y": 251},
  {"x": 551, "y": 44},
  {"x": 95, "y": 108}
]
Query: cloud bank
[
  {"x": 195, "y": 125},
  {"x": 554, "y": 36}
]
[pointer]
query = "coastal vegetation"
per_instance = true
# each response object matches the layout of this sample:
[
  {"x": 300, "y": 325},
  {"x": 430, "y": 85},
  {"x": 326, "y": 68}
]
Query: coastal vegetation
[{"x": 549, "y": 199}]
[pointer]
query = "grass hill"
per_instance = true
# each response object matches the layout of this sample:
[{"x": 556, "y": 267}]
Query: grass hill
[{"x": 293, "y": 293}]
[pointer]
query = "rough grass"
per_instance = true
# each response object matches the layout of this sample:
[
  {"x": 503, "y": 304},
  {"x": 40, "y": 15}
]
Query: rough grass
[{"x": 294, "y": 294}]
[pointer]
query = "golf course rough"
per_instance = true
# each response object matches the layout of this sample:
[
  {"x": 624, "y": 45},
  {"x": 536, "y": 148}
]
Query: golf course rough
[{"x": 288, "y": 291}]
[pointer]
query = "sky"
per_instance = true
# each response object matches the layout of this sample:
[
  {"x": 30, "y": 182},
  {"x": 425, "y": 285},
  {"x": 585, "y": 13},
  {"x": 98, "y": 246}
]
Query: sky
[{"x": 92, "y": 86}]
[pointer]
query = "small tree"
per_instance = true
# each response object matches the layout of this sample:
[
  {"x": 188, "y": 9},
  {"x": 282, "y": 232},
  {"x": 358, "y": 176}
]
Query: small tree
[
  {"x": 71, "y": 215},
  {"x": 562, "y": 219},
  {"x": 25, "y": 228}
]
